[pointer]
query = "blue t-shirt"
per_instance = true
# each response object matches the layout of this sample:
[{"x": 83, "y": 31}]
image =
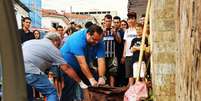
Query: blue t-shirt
[{"x": 76, "y": 45}]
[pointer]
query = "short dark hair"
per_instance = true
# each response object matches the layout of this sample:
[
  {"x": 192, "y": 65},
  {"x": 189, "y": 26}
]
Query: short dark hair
[
  {"x": 125, "y": 23},
  {"x": 36, "y": 31},
  {"x": 88, "y": 24},
  {"x": 72, "y": 22},
  {"x": 95, "y": 28},
  {"x": 143, "y": 15},
  {"x": 139, "y": 25},
  {"x": 132, "y": 15},
  {"x": 116, "y": 17},
  {"x": 26, "y": 18},
  {"x": 59, "y": 26},
  {"x": 108, "y": 16}
]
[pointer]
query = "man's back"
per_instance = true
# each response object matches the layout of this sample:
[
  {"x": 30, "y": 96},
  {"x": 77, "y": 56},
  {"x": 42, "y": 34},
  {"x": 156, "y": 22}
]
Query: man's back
[
  {"x": 39, "y": 55},
  {"x": 74, "y": 46}
]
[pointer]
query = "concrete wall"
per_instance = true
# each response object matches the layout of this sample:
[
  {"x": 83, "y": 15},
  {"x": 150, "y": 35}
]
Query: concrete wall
[
  {"x": 20, "y": 12},
  {"x": 47, "y": 22},
  {"x": 175, "y": 27},
  {"x": 176, "y": 49},
  {"x": 138, "y": 6},
  {"x": 164, "y": 49}
]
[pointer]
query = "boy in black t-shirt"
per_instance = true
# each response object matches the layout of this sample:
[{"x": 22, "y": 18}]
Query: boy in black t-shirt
[{"x": 135, "y": 48}]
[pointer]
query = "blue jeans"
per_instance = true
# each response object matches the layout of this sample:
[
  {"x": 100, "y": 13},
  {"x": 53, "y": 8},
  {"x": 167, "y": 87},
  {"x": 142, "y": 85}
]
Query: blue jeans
[{"x": 43, "y": 85}]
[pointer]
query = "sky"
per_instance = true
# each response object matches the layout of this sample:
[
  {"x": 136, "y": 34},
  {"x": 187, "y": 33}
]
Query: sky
[{"x": 87, "y": 5}]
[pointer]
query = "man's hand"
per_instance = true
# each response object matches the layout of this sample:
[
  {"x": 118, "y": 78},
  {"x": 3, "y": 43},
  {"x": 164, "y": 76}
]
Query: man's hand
[
  {"x": 123, "y": 59},
  {"x": 101, "y": 80},
  {"x": 114, "y": 32},
  {"x": 134, "y": 48},
  {"x": 83, "y": 85},
  {"x": 93, "y": 82}
]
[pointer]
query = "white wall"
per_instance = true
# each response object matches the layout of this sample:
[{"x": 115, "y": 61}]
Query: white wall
[
  {"x": 47, "y": 22},
  {"x": 19, "y": 13}
]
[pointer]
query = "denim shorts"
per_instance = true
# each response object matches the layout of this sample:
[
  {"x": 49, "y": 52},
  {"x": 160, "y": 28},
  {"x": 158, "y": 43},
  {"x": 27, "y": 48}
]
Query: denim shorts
[
  {"x": 56, "y": 71},
  {"x": 41, "y": 83}
]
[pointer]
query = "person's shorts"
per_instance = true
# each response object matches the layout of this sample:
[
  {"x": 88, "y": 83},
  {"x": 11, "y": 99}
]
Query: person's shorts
[
  {"x": 136, "y": 70},
  {"x": 128, "y": 67}
]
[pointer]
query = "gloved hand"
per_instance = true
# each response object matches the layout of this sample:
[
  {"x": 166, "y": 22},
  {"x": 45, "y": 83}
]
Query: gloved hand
[
  {"x": 101, "y": 80},
  {"x": 93, "y": 82},
  {"x": 83, "y": 85}
]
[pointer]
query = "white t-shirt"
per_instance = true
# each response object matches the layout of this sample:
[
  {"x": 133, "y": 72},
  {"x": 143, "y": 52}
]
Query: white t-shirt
[{"x": 129, "y": 35}]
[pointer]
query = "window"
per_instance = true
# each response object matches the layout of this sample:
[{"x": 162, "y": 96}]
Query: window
[{"x": 55, "y": 24}]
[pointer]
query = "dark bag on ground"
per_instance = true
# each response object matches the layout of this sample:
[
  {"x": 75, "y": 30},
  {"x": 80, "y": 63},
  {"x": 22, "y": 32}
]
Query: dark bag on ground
[{"x": 104, "y": 94}]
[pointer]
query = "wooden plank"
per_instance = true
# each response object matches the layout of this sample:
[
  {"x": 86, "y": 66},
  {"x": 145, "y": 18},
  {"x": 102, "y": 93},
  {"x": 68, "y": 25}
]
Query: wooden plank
[{"x": 14, "y": 87}]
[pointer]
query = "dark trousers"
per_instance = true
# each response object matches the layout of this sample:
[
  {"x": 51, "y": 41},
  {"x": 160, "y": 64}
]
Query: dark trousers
[
  {"x": 30, "y": 93},
  {"x": 121, "y": 78}
]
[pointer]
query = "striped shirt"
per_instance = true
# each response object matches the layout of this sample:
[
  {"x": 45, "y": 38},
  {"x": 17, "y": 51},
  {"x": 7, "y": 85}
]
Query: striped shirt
[{"x": 109, "y": 42}]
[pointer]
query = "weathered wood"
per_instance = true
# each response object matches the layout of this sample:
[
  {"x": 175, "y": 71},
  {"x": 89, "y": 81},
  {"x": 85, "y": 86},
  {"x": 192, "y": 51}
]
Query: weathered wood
[
  {"x": 189, "y": 50},
  {"x": 14, "y": 85},
  {"x": 175, "y": 27}
]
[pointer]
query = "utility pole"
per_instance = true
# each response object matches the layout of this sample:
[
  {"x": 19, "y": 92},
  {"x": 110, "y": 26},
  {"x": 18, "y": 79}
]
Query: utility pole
[{"x": 71, "y": 9}]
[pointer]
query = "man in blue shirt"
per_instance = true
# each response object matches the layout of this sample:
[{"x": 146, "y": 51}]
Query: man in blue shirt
[
  {"x": 42, "y": 54},
  {"x": 79, "y": 50}
]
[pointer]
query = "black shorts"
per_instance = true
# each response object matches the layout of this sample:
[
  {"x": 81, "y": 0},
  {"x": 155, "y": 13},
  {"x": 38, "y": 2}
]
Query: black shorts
[{"x": 128, "y": 67}]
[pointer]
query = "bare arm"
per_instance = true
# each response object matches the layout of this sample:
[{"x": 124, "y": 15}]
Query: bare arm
[
  {"x": 117, "y": 37},
  {"x": 101, "y": 67},
  {"x": 70, "y": 72},
  {"x": 84, "y": 67},
  {"x": 124, "y": 53}
]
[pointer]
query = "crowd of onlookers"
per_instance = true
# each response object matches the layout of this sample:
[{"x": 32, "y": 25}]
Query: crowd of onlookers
[{"x": 67, "y": 60}]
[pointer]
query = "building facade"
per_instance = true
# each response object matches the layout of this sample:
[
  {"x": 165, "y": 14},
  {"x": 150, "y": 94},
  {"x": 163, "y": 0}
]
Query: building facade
[
  {"x": 98, "y": 15},
  {"x": 53, "y": 18},
  {"x": 138, "y": 6},
  {"x": 20, "y": 11},
  {"x": 35, "y": 14}
]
